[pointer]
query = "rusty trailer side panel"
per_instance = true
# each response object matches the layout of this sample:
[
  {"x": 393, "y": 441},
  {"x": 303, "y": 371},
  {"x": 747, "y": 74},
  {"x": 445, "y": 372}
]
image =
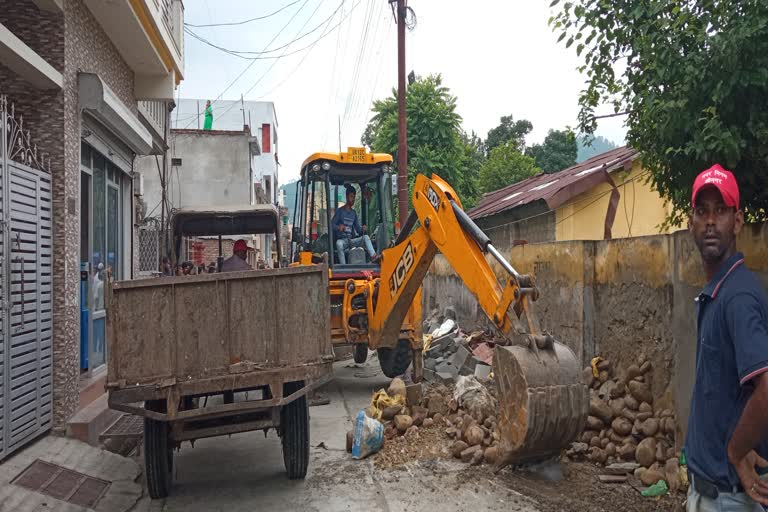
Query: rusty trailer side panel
[{"x": 181, "y": 329}]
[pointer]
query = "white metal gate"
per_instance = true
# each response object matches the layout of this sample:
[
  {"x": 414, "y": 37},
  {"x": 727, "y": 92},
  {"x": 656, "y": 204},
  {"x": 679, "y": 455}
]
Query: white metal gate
[{"x": 26, "y": 298}]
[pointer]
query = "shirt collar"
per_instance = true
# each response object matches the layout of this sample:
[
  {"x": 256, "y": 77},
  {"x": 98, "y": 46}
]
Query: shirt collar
[{"x": 713, "y": 286}]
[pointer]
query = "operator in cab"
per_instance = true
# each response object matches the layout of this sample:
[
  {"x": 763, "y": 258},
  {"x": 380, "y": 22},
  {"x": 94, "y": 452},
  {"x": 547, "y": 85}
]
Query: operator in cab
[
  {"x": 348, "y": 231},
  {"x": 237, "y": 262}
]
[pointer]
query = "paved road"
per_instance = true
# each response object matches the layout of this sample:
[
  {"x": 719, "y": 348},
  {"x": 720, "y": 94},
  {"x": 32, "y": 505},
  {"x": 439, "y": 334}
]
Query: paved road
[{"x": 245, "y": 472}]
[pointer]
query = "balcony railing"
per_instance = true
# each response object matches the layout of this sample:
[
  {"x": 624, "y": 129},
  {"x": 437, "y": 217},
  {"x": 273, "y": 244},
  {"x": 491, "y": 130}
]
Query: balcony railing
[{"x": 156, "y": 113}]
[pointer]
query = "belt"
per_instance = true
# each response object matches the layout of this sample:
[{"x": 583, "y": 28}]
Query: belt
[{"x": 709, "y": 489}]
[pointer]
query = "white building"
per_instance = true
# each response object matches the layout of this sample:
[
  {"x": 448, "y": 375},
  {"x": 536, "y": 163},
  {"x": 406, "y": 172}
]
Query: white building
[{"x": 260, "y": 119}]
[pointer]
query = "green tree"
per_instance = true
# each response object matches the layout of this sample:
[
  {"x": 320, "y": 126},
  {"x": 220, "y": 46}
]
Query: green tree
[
  {"x": 558, "y": 151},
  {"x": 508, "y": 130},
  {"x": 692, "y": 78},
  {"x": 436, "y": 142},
  {"x": 505, "y": 166},
  {"x": 590, "y": 146}
]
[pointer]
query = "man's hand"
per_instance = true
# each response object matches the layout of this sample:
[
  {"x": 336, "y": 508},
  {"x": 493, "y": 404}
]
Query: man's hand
[
  {"x": 342, "y": 228},
  {"x": 754, "y": 486}
]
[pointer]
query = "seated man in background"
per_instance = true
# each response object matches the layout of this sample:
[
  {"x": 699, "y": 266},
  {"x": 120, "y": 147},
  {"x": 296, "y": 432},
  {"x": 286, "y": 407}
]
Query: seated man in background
[
  {"x": 347, "y": 229},
  {"x": 236, "y": 262}
]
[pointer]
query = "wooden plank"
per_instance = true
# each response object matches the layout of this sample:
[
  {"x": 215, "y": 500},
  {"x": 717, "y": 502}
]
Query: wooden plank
[
  {"x": 201, "y": 332},
  {"x": 142, "y": 323}
]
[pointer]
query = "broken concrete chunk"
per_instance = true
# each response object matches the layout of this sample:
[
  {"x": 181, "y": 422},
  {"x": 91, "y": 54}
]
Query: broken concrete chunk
[
  {"x": 458, "y": 447},
  {"x": 482, "y": 370},
  {"x": 594, "y": 423},
  {"x": 396, "y": 388},
  {"x": 645, "y": 367},
  {"x": 412, "y": 431},
  {"x": 622, "y": 426},
  {"x": 491, "y": 455},
  {"x": 474, "y": 435},
  {"x": 622, "y": 468},
  {"x": 633, "y": 371},
  {"x": 601, "y": 410},
  {"x": 587, "y": 435},
  {"x": 646, "y": 407},
  {"x": 652, "y": 475},
  {"x": 672, "y": 474},
  {"x": 627, "y": 451},
  {"x": 419, "y": 414},
  {"x": 641, "y": 391},
  {"x": 470, "y": 452},
  {"x": 649, "y": 427},
  {"x": 631, "y": 402},
  {"x": 618, "y": 391},
  {"x": 604, "y": 392},
  {"x": 603, "y": 377},
  {"x": 390, "y": 412},
  {"x": 645, "y": 454},
  {"x": 402, "y": 422},
  {"x": 428, "y": 422},
  {"x": 477, "y": 458},
  {"x": 612, "y": 479}
]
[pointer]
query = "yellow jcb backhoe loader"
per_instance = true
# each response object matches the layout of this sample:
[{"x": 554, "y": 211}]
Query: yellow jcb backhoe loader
[{"x": 375, "y": 286}]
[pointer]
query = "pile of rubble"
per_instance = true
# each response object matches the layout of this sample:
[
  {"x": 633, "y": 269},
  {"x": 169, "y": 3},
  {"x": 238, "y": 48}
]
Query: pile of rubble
[
  {"x": 623, "y": 425},
  {"x": 451, "y": 353},
  {"x": 456, "y": 421}
]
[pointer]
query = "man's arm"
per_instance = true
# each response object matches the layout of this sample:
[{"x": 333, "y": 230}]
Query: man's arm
[
  {"x": 747, "y": 325},
  {"x": 753, "y": 424},
  {"x": 358, "y": 228}
]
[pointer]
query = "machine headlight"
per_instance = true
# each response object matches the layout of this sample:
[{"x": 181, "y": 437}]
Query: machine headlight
[
  {"x": 386, "y": 168},
  {"x": 326, "y": 166},
  {"x": 315, "y": 167},
  {"x": 351, "y": 286}
]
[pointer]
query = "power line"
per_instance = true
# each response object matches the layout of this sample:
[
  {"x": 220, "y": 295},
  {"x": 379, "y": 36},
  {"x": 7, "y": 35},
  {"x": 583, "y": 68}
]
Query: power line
[
  {"x": 244, "y": 21},
  {"x": 237, "y": 54},
  {"x": 253, "y": 62},
  {"x": 356, "y": 74}
]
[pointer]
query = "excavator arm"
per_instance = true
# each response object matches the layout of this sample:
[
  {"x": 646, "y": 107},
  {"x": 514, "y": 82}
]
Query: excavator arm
[
  {"x": 444, "y": 226},
  {"x": 543, "y": 403}
]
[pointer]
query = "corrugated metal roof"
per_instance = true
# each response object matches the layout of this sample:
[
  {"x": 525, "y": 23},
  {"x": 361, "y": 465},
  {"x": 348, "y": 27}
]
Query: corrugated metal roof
[{"x": 556, "y": 188}]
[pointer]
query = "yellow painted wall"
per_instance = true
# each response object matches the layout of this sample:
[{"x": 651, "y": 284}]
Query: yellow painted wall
[{"x": 640, "y": 212}]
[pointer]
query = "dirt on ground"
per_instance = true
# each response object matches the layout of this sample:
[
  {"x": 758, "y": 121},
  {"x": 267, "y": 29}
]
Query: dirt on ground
[
  {"x": 425, "y": 444},
  {"x": 580, "y": 491}
]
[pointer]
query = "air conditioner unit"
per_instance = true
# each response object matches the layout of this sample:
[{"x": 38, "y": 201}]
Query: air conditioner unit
[{"x": 138, "y": 184}]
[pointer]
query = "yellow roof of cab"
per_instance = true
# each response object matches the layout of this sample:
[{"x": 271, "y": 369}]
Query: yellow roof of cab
[{"x": 351, "y": 156}]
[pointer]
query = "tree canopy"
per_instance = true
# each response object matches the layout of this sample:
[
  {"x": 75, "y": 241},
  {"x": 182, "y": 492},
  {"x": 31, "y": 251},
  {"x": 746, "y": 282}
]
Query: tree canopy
[
  {"x": 589, "y": 146},
  {"x": 505, "y": 165},
  {"x": 508, "y": 130},
  {"x": 692, "y": 78},
  {"x": 558, "y": 151},
  {"x": 436, "y": 141}
]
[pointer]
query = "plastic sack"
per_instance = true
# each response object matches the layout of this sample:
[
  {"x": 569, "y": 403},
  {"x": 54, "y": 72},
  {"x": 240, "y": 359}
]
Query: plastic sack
[
  {"x": 658, "y": 489},
  {"x": 381, "y": 400},
  {"x": 368, "y": 436},
  {"x": 446, "y": 327}
]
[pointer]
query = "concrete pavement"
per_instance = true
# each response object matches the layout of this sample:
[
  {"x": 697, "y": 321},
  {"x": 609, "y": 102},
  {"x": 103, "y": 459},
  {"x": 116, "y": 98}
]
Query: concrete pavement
[{"x": 245, "y": 472}]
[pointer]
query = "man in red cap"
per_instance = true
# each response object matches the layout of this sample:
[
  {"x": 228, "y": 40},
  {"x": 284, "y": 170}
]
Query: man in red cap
[
  {"x": 237, "y": 261},
  {"x": 727, "y": 440}
]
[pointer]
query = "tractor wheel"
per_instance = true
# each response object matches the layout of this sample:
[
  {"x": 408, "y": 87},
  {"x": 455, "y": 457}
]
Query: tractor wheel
[
  {"x": 394, "y": 361},
  {"x": 158, "y": 452},
  {"x": 294, "y": 427},
  {"x": 361, "y": 353}
]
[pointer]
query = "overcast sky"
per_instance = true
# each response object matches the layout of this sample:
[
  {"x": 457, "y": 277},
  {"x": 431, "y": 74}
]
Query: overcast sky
[{"x": 498, "y": 57}]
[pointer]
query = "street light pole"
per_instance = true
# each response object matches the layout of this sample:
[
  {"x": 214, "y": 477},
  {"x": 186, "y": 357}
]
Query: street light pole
[{"x": 402, "y": 140}]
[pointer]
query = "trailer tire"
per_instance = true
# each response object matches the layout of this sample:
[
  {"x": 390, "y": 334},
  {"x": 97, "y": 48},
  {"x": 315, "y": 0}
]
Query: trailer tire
[
  {"x": 158, "y": 452},
  {"x": 294, "y": 427},
  {"x": 361, "y": 353},
  {"x": 395, "y": 361}
]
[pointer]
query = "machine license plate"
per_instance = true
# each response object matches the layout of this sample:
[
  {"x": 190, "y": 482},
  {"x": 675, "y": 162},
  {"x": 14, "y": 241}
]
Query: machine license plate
[{"x": 357, "y": 155}]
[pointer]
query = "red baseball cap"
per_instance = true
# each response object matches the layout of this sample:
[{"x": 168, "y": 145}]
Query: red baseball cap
[
  {"x": 724, "y": 181},
  {"x": 241, "y": 245}
]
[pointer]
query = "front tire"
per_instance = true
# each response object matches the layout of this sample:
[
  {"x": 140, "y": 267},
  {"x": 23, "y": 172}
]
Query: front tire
[
  {"x": 361, "y": 353},
  {"x": 395, "y": 361},
  {"x": 294, "y": 425},
  {"x": 158, "y": 452}
]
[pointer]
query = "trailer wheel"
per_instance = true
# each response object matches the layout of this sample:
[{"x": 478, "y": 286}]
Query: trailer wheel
[
  {"x": 294, "y": 427},
  {"x": 361, "y": 353},
  {"x": 158, "y": 452},
  {"x": 394, "y": 361}
]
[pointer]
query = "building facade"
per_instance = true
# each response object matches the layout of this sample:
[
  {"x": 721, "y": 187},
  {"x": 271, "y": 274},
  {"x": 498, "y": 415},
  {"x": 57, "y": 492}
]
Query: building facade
[
  {"x": 259, "y": 117},
  {"x": 88, "y": 83},
  {"x": 208, "y": 169},
  {"x": 605, "y": 197}
]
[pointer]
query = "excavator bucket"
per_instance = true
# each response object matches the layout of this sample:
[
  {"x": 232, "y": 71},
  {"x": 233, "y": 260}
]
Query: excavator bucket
[{"x": 542, "y": 400}]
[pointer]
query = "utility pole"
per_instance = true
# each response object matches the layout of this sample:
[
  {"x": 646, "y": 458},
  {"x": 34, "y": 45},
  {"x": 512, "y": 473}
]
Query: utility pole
[
  {"x": 339, "y": 133},
  {"x": 402, "y": 140}
]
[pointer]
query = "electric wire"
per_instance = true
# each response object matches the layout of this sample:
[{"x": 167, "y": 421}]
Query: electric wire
[{"x": 230, "y": 24}]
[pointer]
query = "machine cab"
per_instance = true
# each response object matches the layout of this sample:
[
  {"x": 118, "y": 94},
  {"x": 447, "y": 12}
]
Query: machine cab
[{"x": 351, "y": 239}]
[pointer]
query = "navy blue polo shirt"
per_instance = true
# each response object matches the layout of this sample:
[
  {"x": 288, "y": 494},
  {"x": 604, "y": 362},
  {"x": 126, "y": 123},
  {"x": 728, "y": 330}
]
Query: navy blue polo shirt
[{"x": 731, "y": 350}]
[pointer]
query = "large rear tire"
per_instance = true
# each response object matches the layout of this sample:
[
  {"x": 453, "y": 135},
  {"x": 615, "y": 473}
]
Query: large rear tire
[
  {"x": 361, "y": 353},
  {"x": 294, "y": 425},
  {"x": 158, "y": 452},
  {"x": 395, "y": 361}
]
